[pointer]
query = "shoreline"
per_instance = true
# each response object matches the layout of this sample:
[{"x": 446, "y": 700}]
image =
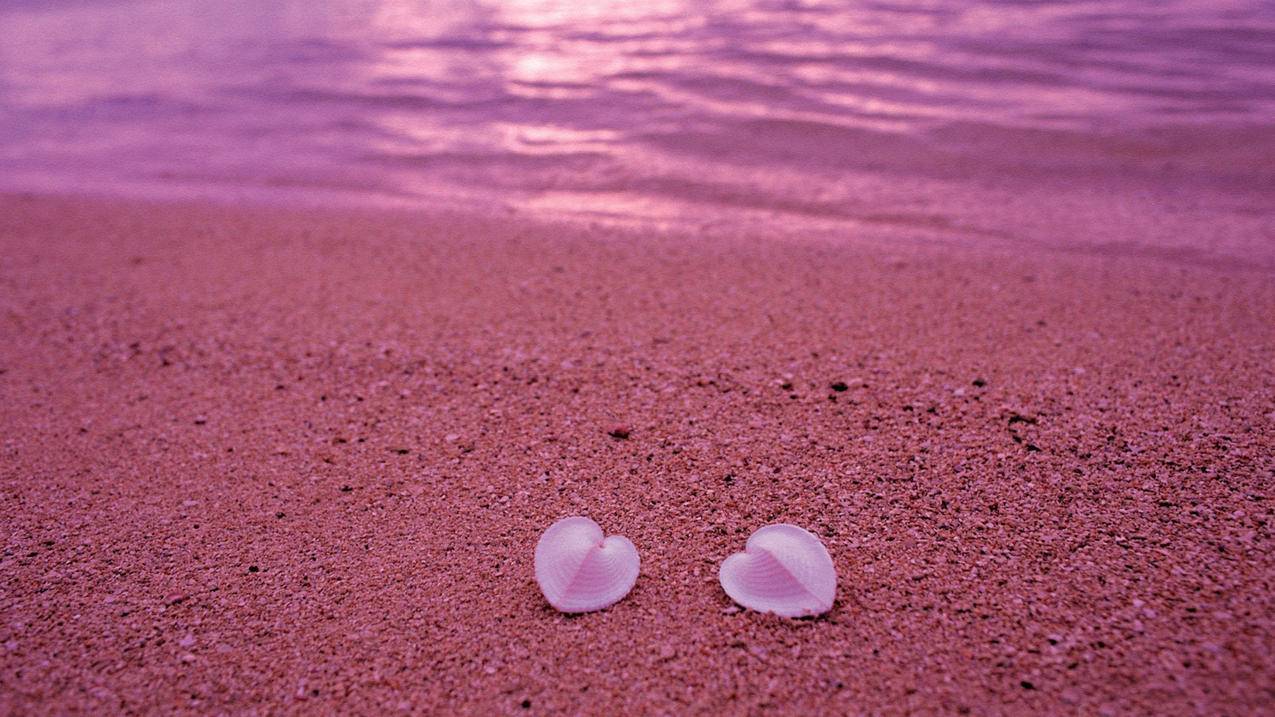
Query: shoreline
[
  {"x": 1045, "y": 489},
  {"x": 1236, "y": 245}
]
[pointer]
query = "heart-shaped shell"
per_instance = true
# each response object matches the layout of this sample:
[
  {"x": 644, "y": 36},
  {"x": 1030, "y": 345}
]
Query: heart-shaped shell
[
  {"x": 579, "y": 571},
  {"x": 783, "y": 569}
]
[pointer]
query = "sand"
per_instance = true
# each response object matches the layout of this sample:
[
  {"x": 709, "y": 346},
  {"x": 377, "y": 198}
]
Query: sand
[{"x": 266, "y": 460}]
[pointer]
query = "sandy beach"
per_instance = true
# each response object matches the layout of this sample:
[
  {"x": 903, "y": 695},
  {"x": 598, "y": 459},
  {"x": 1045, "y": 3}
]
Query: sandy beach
[{"x": 269, "y": 460}]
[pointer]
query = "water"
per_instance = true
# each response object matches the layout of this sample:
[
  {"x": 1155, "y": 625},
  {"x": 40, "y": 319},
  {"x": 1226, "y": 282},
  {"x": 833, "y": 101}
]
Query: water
[{"x": 839, "y": 111}]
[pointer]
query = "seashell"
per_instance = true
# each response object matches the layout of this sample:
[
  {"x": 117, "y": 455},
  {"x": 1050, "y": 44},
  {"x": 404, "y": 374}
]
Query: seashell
[
  {"x": 783, "y": 569},
  {"x": 579, "y": 571}
]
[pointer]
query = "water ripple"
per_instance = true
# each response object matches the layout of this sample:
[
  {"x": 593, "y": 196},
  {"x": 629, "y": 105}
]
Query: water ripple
[{"x": 720, "y": 103}]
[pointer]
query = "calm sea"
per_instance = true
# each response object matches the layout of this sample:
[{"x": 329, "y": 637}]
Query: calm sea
[{"x": 882, "y": 112}]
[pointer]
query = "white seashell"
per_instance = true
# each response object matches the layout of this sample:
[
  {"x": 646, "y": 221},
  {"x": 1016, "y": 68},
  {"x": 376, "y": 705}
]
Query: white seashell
[
  {"x": 783, "y": 569},
  {"x": 579, "y": 571}
]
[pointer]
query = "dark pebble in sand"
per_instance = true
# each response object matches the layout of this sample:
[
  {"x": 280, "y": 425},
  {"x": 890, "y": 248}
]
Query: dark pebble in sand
[
  {"x": 253, "y": 568},
  {"x": 526, "y": 704},
  {"x": 279, "y": 514},
  {"x": 1027, "y": 685},
  {"x": 619, "y": 432},
  {"x": 839, "y": 386},
  {"x": 980, "y": 382},
  {"x": 346, "y": 489}
]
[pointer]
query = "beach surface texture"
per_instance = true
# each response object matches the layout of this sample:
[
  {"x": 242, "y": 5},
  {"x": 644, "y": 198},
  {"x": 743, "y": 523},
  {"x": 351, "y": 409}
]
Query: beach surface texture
[{"x": 272, "y": 460}]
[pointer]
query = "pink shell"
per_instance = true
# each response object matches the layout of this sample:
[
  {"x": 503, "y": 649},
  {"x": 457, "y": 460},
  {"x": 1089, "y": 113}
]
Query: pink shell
[
  {"x": 783, "y": 569},
  {"x": 579, "y": 571}
]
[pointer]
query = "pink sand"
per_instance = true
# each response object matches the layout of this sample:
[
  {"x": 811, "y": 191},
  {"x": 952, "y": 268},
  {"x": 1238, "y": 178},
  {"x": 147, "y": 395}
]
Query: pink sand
[{"x": 261, "y": 460}]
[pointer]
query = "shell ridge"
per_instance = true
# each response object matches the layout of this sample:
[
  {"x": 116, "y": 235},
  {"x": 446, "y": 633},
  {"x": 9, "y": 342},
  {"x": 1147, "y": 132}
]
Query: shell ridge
[
  {"x": 568, "y": 575},
  {"x": 800, "y": 580},
  {"x": 579, "y": 568},
  {"x": 562, "y": 575}
]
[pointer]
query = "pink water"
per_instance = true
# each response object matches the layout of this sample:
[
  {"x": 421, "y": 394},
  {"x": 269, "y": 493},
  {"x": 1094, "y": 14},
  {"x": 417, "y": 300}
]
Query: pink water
[{"x": 936, "y": 116}]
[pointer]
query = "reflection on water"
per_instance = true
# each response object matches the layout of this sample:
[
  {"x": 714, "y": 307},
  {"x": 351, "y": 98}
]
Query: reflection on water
[{"x": 621, "y": 107}]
